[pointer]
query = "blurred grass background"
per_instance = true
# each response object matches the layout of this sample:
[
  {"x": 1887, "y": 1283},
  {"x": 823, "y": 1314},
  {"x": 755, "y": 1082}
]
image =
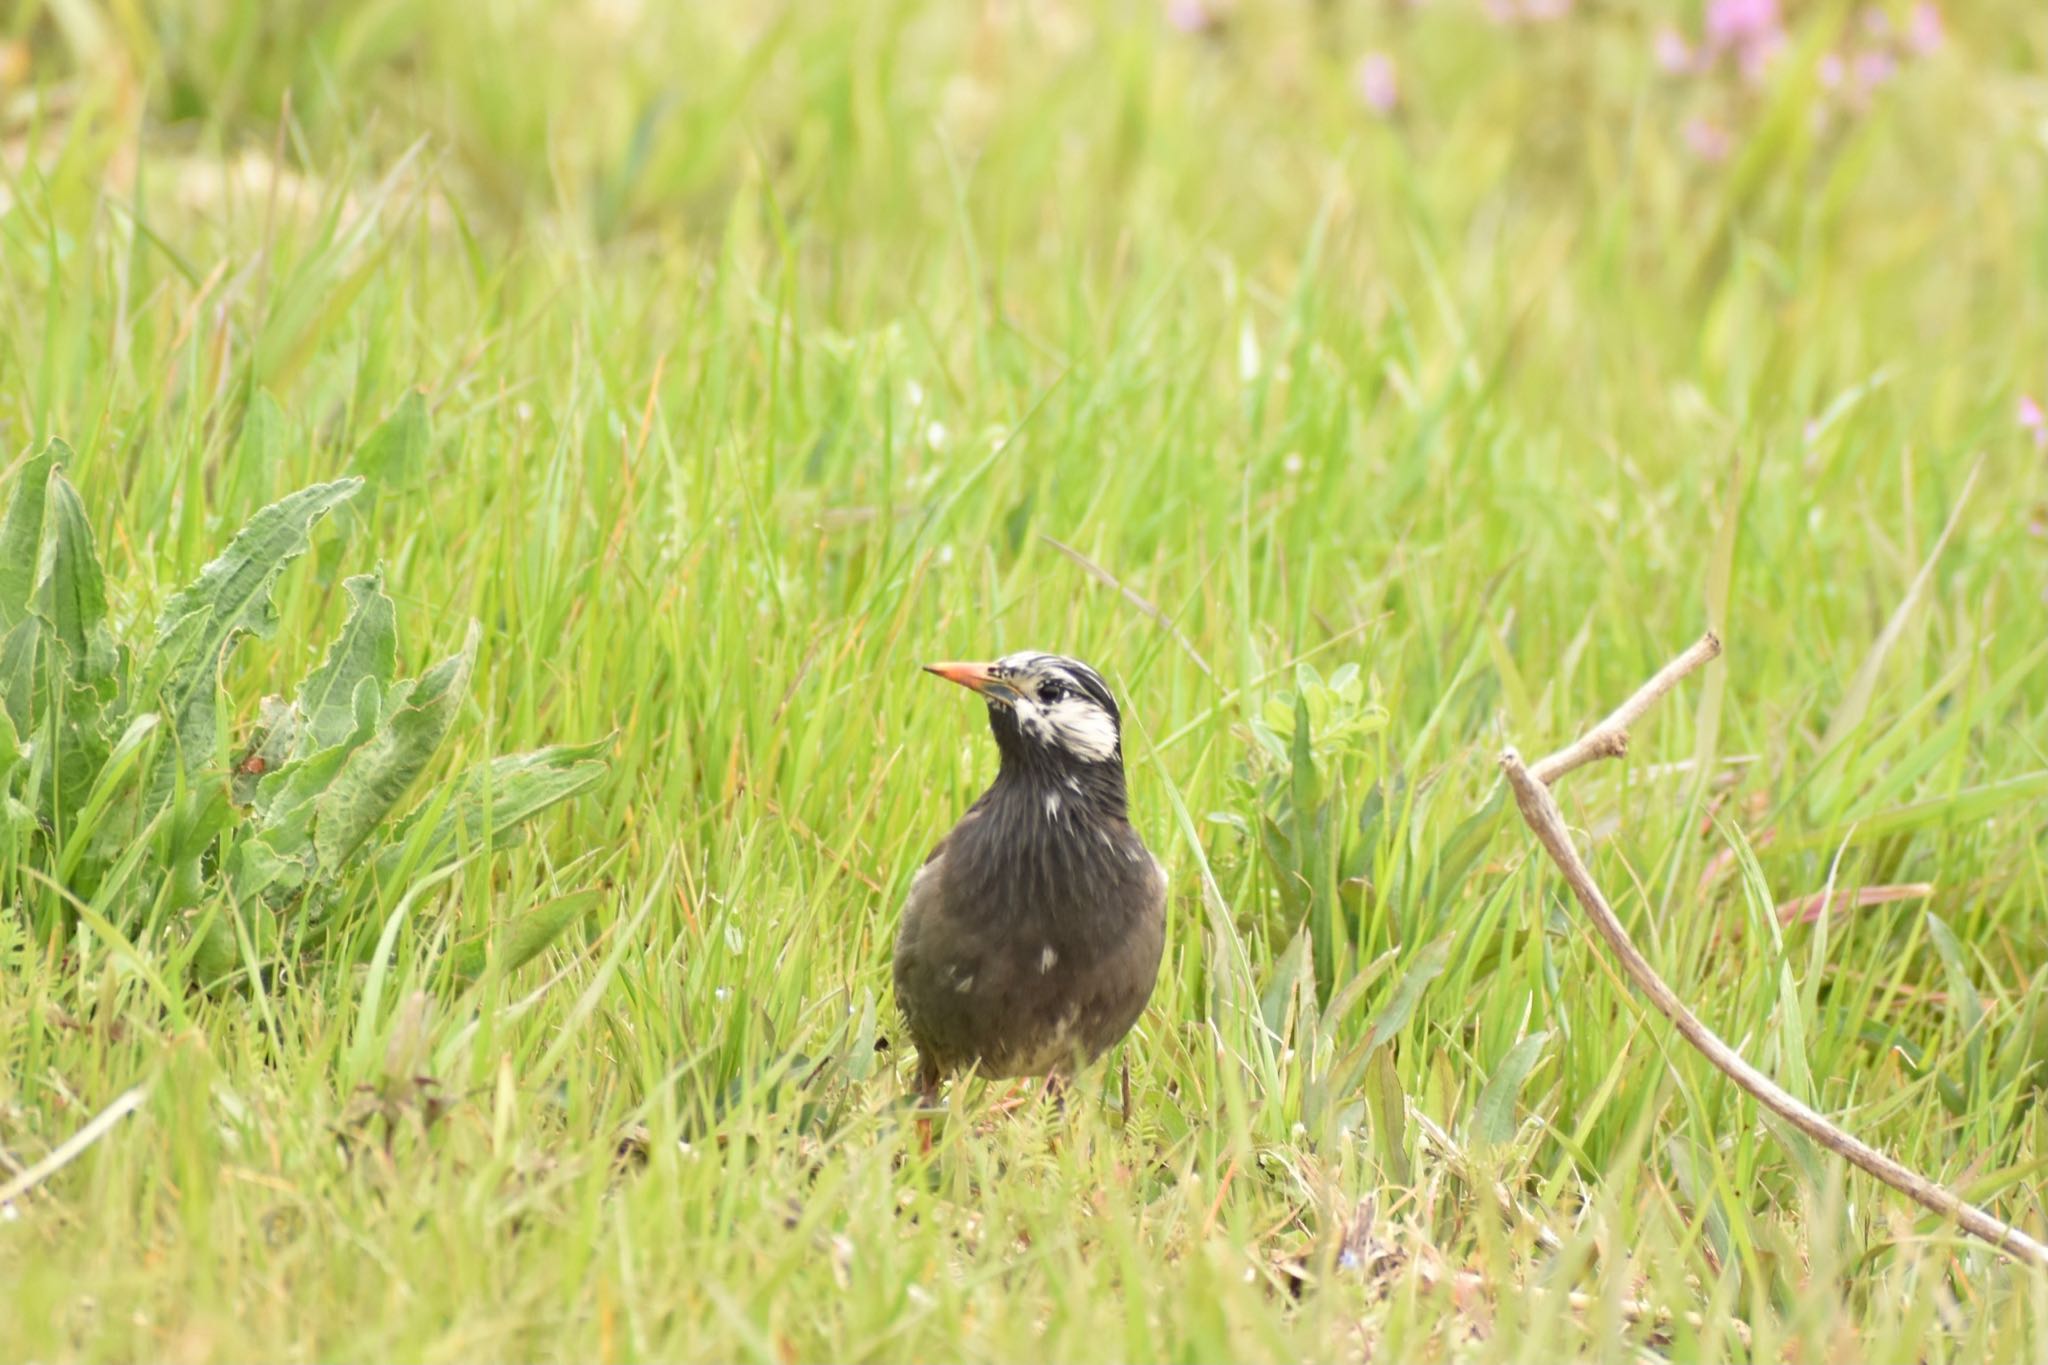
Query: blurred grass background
[{"x": 1491, "y": 350}]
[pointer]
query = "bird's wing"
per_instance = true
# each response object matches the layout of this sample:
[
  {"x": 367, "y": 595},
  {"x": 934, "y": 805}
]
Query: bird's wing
[
  {"x": 920, "y": 905},
  {"x": 927, "y": 973}
]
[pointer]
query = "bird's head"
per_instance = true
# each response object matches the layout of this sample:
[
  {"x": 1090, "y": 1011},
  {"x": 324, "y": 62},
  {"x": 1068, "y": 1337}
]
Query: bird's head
[{"x": 1046, "y": 711}]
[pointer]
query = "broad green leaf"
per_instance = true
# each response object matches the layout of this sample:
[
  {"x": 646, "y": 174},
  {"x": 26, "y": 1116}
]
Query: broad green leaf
[
  {"x": 527, "y": 937},
  {"x": 213, "y": 957},
  {"x": 21, "y": 533},
  {"x": 860, "y": 1052},
  {"x": 280, "y": 792},
  {"x": 1302, "y": 767},
  {"x": 376, "y": 776},
  {"x": 270, "y": 747},
  {"x": 532, "y": 933},
  {"x": 11, "y": 755},
  {"x": 1312, "y": 859},
  {"x": 190, "y": 697},
  {"x": 395, "y": 453},
  {"x": 1283, "y": 981},
  {"x": 495, "y": 800},
  {"x": 14, "y": 815},
  {"x": 1428, "y": 965},
  {"x": 230, "y": 598},
  {"x": 254, "y": 868},
  {"x": 286, "y": 800},
  {"x": 121, "y": 762},
  {"x": 366, "y": 648},
  {"x": 1353, "y": 990},
  {"x": 194, "y": 824},
  {"x": 70, "y": 593},
  {"x": 1389, "y": 1107},
  {"x": 1493, "y": 1115},
  {"x": 72, "y": 746},
  {"x": 233, "y": 592},
  {"x": 18, "y": 672}
]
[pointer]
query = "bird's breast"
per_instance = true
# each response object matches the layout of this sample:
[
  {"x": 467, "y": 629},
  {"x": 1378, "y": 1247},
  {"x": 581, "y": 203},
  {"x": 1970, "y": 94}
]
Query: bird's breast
[{"x": 1044, "y": 862}]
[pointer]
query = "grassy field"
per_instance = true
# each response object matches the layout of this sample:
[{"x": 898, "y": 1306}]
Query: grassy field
[{"x": 1431, "y": 374}]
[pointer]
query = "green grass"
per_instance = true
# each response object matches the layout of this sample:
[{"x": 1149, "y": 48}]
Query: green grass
[{"x": 766, "y": 356}]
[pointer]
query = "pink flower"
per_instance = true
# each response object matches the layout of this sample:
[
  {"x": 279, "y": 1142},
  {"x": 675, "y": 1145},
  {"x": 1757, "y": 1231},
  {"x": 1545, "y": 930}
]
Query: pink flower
[
  {"x": 1832, "y": 70},
  {"x": 1924, "y": 30},
  {"x": 2034, "y": 421},
  {"x": 1708, "y": 140},
  {"x": 1758, "y": 56},
  {"x": 1526, "y": 11},
  {"x": 1748, "y": 29},
  {"x": 1737, "y": 23},
  {"x": 1674, "y": 54},
  {"x": 1874, "y": 68},
  {"x": 1377, "y": 82},
  {"x": 1189, "y": 16}
]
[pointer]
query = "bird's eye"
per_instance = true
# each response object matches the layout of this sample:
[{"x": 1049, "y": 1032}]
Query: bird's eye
[{"x": 1050, "y": 693}]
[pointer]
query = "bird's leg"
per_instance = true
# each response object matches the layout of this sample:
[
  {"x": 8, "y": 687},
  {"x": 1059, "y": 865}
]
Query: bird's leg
[
  {"x": 1055, "y": 1091},
  {"x": 927, "y": 1098},
  {"x": 1124, "y": 1071},
  {"x": 1014, "y": 1098}
]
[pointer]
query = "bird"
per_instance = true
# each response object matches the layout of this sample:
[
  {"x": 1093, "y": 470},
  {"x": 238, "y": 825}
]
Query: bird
[{"x": 1032, "y": 933}]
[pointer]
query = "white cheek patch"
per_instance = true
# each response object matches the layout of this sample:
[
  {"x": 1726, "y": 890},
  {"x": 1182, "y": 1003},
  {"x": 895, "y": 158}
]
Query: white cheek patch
[
  {"x": 1082, "y": 728},
  {"x": 1030, "y": 718}
]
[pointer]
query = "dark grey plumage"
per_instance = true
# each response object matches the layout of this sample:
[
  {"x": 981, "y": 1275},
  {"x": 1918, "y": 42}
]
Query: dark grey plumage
[{"x": 1032, "y": 934}]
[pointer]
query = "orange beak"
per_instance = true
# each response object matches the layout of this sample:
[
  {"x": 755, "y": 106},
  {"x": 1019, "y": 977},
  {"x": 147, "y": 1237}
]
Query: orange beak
[{"x": 974, "y": 677}]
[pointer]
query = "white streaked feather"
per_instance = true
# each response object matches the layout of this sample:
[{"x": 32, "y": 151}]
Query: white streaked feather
[
  {"x": 1082, "y": 728},
  {"x": 1076, "y": 723}
]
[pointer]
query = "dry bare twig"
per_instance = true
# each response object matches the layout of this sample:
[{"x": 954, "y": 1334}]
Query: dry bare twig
[
  {"x": 1608, "y": 739},
  {"x": 67, "y": 1151}
]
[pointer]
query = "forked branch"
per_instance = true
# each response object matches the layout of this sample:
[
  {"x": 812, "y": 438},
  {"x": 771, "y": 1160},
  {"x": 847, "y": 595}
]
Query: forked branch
[
  {"x": 1609, "y": 739},
  {"x": 1539, "y": 808}
]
